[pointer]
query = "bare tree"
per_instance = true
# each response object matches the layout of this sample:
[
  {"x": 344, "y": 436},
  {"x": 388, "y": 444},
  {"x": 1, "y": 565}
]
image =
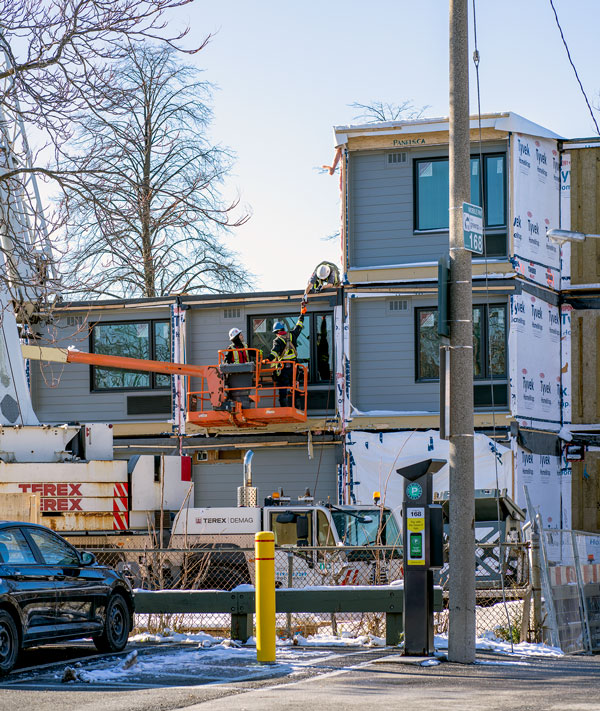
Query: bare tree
[
  {"x": 147, "y": 217},
  {"x": 56, "y": 58},
  {"x": 384, "y": 111}
]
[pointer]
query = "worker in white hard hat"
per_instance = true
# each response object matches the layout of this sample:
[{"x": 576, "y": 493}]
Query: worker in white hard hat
[
  {"x": 237, "y": 352},
  {"x": 326, "y": 274}
]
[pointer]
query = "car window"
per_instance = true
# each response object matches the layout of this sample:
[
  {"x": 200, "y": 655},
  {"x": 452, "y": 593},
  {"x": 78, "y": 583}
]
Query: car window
[
  {"x": 14, "y": 547},
  {"x": 54, "y": 551}
]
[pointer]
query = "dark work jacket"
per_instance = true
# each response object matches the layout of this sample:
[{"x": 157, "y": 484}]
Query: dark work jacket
[
  {"x": 236, "y": 354},
  {"x": 281, "y": 346}
]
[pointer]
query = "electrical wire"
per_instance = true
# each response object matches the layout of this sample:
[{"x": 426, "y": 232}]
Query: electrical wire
[
  {"x": 476, "y": 59},
  {"x": 574, "y": 69}
]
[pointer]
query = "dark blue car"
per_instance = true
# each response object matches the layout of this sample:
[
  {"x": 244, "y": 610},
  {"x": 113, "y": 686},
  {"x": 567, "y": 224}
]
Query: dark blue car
[{"x": 50, "y": 591}]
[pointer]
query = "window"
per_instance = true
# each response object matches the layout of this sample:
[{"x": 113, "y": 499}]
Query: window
[
  {"x": 432, "y": 187},
  {"x": 292, "y": 528},
  {"x": 325, "y": 535},
  {"x": 132, "y": 339},
  {"x": 14, "y": 548},
  {"x": 489, "y": 351},
  {"x": 316, "y": 352},
  {"x": 362, "y": 527},
  {"x": 431, "y": 196},
  {"x": 54, "y": 550}
]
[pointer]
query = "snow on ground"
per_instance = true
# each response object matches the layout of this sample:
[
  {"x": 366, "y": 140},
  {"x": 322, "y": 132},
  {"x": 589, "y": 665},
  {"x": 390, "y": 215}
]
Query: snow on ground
[
  {"x": 490, "y": 643},
  {"x": 200, "y": 658},
  {"x": 204, "y": 663},
  {"x": 486, "y": 643},
  {"x": 206, "y": 640}
]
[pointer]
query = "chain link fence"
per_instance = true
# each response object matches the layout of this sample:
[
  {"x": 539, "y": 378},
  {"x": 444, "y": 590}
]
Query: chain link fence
[
  {"x": 225, "y": 567},
  {"x": 571, "y": 586},
  {"x": 502, "y": 590}
]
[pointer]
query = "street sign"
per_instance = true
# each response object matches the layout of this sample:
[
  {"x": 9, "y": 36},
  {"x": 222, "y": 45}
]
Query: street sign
[{"x": 473, "y": 227}]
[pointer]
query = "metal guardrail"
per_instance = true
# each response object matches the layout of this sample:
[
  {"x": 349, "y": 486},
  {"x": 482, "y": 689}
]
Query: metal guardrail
[
  {"x": 225, "y": 567},
  {"x": 240, "y": 605}
]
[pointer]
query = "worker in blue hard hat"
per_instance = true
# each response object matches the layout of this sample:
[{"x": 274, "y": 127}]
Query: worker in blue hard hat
[{"x": 284, "y": 352}]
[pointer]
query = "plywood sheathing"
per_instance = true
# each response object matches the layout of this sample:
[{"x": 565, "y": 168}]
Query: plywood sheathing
[
  {"x": 585, "y": 347},
  {"x": 585, "y": 214},
  {"x": 400, "y": 273},
  {"x": 404, "y": 141},
  {"x": 585, "y": 493}
]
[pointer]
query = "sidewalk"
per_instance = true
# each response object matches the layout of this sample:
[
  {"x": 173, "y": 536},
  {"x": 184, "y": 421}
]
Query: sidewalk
[{"x": 495, "y": 683}]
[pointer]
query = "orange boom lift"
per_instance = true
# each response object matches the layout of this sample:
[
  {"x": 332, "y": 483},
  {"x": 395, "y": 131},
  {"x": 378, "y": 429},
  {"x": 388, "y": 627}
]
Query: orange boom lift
[{"x": 239, "y": 394}]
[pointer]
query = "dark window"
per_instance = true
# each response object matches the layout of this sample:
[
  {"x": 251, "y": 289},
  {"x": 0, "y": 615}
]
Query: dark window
[
  {"x": 14, "y": 547},
  {"x": 428, "y": 345},
  {"x": 54, "y": 550},
  {"x": 149, "y": 340},
  {"x": 431, "y": 196},
  {"x": 489, "y": 350},
  {"x": 315, "y": 343}
]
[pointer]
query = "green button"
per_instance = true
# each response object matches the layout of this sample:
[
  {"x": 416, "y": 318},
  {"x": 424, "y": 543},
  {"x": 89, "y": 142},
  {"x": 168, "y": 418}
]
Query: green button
[{"x": 414, "y": 491}]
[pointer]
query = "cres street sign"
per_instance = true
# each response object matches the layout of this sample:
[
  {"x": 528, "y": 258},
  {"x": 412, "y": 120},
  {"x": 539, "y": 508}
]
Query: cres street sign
[{"x": 473, "y": 227}]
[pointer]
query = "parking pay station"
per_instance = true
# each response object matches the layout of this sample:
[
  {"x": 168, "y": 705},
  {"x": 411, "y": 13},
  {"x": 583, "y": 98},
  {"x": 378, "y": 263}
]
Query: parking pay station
[{"x": 423, "y": 553}]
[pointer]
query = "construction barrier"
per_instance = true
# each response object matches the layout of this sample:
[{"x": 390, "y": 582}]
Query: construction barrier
[{"x": 571, "y": 578}]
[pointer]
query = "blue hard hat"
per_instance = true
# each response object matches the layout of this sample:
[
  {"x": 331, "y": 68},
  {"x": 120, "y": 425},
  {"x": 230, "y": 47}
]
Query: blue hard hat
[{"x": 278, "y": 326}]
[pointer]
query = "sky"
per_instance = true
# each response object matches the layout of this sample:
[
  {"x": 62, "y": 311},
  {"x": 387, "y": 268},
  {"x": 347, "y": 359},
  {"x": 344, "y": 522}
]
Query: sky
[{"x": 287, "y": 73}]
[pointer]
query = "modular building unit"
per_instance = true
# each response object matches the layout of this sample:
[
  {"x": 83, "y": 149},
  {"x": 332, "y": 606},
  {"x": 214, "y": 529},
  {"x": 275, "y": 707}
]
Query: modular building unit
[{"x": 394, "y": 228}]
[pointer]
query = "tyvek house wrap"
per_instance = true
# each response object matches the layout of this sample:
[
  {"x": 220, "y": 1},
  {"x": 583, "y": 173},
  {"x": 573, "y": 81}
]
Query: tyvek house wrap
[
  {"x": 375, "y": 456},
  {"x": 536, "y": 190},
  {"x": 548, "y": 481},
  {"x": 535, "y": 362}
]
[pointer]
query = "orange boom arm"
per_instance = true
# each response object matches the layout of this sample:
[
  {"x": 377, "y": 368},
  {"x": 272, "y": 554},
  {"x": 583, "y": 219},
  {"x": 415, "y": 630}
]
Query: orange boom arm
[{"x": 215, "y": 381}]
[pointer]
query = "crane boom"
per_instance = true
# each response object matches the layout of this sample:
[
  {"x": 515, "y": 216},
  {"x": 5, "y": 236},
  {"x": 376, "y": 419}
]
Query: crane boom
[{"x": 28, "y": 260}]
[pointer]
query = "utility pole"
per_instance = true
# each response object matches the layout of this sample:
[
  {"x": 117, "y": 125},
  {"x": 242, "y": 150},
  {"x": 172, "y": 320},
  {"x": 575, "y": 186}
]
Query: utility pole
[{"x": 461, "y": 641}]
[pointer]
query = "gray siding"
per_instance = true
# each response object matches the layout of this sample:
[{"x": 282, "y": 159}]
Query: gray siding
[
  {"x": 272, "y": 468},
  {"x": 381, "y": 209},
  {"x": 381, "y": 214},
  {"x": 382, "y": 358},
  {"x": 62, "y": 393}
]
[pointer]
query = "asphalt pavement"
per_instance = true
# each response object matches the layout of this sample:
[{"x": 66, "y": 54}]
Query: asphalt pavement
[{"x": 319, "y": 679}]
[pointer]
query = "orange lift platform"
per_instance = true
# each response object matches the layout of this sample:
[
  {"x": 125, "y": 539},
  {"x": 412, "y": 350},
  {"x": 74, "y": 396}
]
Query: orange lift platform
[
  {"x": 250, "y": 395},
  {"x": 239, "y": 394}
]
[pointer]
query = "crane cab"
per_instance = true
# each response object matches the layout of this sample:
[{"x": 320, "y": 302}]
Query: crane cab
[{"x": 249, "y": 393}]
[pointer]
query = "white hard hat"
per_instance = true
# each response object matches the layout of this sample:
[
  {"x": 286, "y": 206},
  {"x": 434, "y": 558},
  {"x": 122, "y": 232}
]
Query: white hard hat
[
  {"x": 323, "y": 271},
  {"x": 233, "y": 333}
]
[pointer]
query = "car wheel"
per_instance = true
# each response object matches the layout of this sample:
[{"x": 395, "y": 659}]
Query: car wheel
[
  {"x": 9, "y": 643},
  {"x": 117, "y": 626}
]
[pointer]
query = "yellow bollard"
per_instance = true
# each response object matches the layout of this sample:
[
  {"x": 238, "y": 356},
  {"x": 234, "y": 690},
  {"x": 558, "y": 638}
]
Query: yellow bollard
[{"x": 264, "y": 555}]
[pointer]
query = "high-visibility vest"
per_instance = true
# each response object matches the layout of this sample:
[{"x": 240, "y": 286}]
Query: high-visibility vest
[
  {"x": 289, "y": 350},
  {"x": 239, "y": 355}
]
